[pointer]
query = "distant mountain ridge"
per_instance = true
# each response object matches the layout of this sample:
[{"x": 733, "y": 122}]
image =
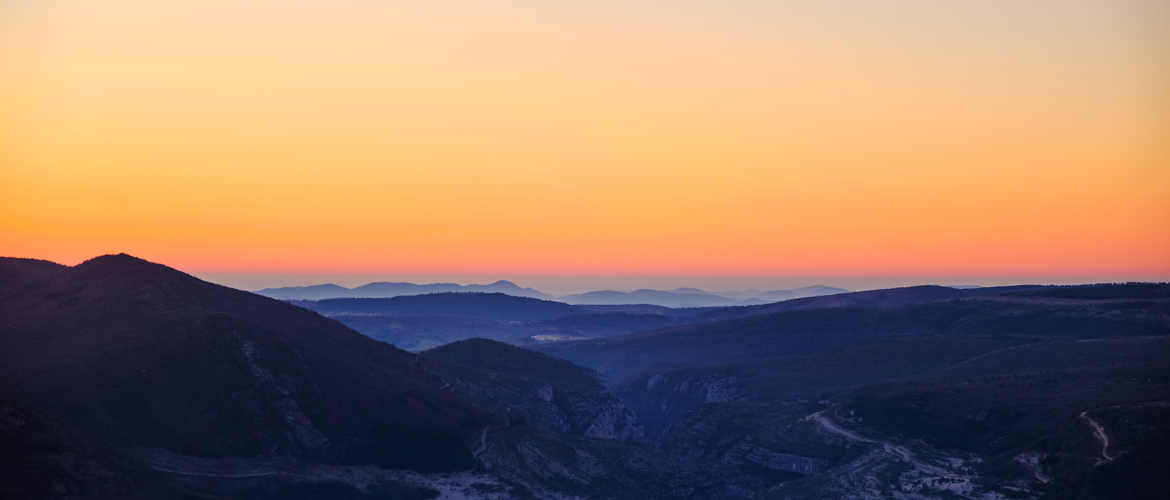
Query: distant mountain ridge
[
  {"x": 498, "y": 306},
  {"x": 678, "y": 297},
  {"x": 418, "y": 322},
  {"x": 763, "y": 297},
  {"x": 733, "y": 334},
  {"x": 386, "y": 289}
]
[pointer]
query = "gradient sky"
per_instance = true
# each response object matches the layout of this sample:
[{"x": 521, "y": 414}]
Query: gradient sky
[{"x": 636, "y": 137}]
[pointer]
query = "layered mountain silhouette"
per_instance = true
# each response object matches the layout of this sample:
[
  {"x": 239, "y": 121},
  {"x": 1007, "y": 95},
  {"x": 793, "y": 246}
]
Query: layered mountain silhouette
[
  {"x": 124, "y": 378},
  {"x": 419, "y": 322},
  {"x": 825, "y": 323},
  {"x": 394, "y": 289},
  {"x": 682, "y": 297},
  {"x": 679, "y": 297},
  {"x": 764, "y": 296},
  {"x": 127, "y": 379},
  {"x": 478, "y": 305}
]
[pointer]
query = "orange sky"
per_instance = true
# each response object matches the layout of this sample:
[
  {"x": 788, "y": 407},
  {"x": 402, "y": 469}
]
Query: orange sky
[{"x": 736, "y": 137}]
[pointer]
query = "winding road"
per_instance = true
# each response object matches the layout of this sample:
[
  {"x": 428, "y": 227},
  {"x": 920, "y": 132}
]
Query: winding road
[
  {"x": 900, "y": 451},
  {"x": 243, "y": 475},
  {"x": 1099, "y": 432}
]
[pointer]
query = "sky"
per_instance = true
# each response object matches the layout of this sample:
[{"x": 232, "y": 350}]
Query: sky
[{"x": 739, "y": 142}]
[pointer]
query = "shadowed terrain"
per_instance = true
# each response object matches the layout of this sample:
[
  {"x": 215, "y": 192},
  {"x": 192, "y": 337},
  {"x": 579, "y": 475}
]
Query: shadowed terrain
[
  {"x": 927, "y": 390},
  {"x": 134, "y": 355},
  {"x": 123, "y": 378},
  {"x": 421, "y": 322}
]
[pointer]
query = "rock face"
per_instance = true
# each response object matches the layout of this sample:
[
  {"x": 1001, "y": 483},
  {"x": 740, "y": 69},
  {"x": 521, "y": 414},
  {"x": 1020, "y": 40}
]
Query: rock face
[
  {"x": 523, "y": 387},
  {"x": 614, "y": 421},
  {"x": 780, "y": 461},
  {"x": 666, "y": 398}
]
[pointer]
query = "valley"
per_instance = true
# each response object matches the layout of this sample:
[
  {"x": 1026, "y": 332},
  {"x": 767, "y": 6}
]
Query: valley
[{"x": 178, "y": 388}]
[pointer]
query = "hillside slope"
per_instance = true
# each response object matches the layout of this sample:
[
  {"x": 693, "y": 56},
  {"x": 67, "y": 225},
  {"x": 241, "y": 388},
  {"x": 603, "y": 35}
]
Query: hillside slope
[
  {"x": 135, "y": 355},
  {"x": 926, "y": 392},
  {"x": 531, "y": 388}
]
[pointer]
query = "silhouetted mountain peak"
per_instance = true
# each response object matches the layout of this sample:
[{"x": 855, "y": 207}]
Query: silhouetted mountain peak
[
  {"x": 119, "y": 274},
  {"x": 121, "y": 263},
  {"x": 121, "y": 258}
]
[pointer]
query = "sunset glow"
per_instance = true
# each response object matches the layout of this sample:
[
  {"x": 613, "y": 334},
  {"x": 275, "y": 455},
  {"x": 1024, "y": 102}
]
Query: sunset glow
[{"x": 737, "y": 138}]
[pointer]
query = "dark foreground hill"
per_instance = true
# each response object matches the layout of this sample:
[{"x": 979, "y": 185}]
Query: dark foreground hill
[{"x": 130, "y": 355}]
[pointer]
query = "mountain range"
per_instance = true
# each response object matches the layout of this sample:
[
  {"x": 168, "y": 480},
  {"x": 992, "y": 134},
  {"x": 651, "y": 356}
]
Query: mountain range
[
  {"x": 123, "y": 378},
  {"x": 679, "y": 297},
  {"x": 419, "y": 322},
  {"x": 394, "y": 289}
]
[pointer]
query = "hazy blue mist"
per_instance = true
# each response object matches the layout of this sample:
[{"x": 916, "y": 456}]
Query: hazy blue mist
[{"x": 565, "y": 284}]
